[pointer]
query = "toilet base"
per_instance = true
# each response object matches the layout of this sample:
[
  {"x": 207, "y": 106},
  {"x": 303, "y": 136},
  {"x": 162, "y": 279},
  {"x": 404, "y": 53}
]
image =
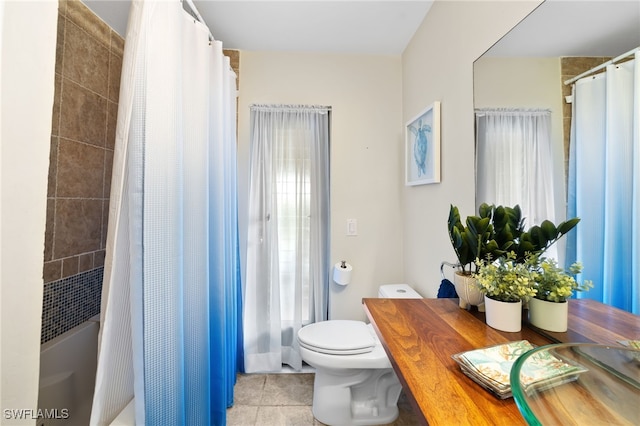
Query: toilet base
[{"x": 356, "y": 396}]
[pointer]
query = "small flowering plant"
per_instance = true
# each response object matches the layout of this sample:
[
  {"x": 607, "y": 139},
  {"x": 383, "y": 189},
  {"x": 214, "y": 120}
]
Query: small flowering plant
[
  {"x": 554, "y": 284},
  {"x": 507, "y": 280}
]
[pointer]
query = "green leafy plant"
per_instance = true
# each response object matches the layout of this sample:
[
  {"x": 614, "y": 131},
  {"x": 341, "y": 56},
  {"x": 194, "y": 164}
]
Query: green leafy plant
[
  {"x": 508, "y": 260},
  {"x": 554, "y": 284},
  {"x": 508, "y": 225},
  {"x": 537, "y": 239},
  {"x": 488, "y": 235},
  {"x": 507, "y": 280},
  {"x": 471, "y": 241},
  {"x": 510, "y": 234},
  {"x": 498, "y": 230}
]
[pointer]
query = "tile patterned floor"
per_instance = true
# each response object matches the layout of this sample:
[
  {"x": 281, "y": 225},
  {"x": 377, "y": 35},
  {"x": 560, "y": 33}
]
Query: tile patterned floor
[{"x": 285, "y": 399}]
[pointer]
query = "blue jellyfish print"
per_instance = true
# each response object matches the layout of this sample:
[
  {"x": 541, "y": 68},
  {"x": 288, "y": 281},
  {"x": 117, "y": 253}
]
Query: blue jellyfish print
[{"x": 421, "y": 146}]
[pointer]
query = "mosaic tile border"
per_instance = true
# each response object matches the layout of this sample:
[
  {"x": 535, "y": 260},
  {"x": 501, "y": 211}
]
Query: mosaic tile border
[{"x": 69, "y": 302}]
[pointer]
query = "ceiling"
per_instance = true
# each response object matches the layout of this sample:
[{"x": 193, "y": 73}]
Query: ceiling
[
  {"x": 339, "y": 26},
  {"x": 574, "y": 28},
  {"x": 555, "y": 28}
]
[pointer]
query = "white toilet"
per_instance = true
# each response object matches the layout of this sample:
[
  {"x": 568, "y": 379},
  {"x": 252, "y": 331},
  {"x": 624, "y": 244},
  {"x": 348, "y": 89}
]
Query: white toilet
[{"x": 354, "y": 383}]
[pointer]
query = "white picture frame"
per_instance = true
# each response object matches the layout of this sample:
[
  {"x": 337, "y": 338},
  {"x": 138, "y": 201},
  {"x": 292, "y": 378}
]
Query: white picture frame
[{"x": 422, "y": 147}]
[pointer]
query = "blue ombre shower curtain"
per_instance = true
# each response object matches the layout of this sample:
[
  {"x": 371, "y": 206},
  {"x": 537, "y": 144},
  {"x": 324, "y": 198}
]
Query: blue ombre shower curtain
[
  {"x": 169, "y": 334},
  {"x": 604, "y": 184}
]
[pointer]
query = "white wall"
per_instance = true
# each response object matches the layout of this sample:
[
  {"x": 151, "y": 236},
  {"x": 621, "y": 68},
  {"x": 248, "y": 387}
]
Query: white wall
[
  {"x": 365, "y": 95},
  {"x": 438, "y": 65},
  {"x": 527, "y": 83},
  {"x": 28, "y": 40}
]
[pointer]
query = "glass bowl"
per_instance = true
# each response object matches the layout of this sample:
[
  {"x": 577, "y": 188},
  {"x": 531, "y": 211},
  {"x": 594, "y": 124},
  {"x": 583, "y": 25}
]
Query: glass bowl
[{"x": 602, "y": 387}]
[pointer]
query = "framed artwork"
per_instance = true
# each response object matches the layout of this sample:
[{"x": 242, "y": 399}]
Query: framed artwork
[{"x": 422, "y": 147}]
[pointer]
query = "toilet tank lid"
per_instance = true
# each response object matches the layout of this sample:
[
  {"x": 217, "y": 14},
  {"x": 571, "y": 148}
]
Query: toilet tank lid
[{"x": 398, "y": 291}]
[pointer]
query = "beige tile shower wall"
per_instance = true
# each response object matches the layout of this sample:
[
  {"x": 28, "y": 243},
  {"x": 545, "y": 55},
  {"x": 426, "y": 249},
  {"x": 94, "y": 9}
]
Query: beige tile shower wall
[
  {"x": 87, "y": 85},
  {"x": 234, "y": 59}
]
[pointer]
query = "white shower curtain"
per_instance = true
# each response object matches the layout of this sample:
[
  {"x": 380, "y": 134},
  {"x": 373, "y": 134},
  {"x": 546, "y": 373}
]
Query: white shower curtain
[
  {"x": 515, "y": 163},
  {"x": 171, "y": 264},
  {"x": 604, "y": 183},
  {"x": 287, "y": 273}
]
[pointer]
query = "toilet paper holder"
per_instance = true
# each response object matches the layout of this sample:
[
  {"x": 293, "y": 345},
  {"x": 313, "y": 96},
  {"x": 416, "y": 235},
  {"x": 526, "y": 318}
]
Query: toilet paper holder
[{"x": 342, "y": 273}]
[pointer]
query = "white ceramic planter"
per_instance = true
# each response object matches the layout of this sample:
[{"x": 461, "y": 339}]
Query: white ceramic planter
[
  {"x": 468, "y": 291},
  {"x": 503, "y": 316},
  {"x": 550, "y": 316}
]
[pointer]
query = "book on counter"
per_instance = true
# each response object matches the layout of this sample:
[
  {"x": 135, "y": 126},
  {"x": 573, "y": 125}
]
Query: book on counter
[{"x": 490, "y": 367}]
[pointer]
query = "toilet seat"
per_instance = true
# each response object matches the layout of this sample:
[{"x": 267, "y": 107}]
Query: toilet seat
[{"x": 337, "y": 337}]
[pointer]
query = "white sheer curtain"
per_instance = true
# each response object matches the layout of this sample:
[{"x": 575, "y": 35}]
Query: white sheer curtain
[
  {"x": 287, "y": 272},
  {"x": 170, "y": 282},
  {"x": 604, "y": 183},
  {"x": 515, "y": 164}
]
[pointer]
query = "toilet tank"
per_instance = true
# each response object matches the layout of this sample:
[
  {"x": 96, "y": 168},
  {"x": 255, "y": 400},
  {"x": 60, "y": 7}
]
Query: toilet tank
[{"x": 397, "y": 291}]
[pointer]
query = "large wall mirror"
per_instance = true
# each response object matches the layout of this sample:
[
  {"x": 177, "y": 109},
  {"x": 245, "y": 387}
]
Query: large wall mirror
[
  {"x": 527, "y": 68},
  {"x": 557, "y": 41}
]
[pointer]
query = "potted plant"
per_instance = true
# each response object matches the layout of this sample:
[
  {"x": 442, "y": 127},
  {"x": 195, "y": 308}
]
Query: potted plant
[
  {"x": 506, "y": 283},
  {"x": 486, "y": 236},
  {"x": 548, "y": 309},
  {"x": 469, "y": 242}
]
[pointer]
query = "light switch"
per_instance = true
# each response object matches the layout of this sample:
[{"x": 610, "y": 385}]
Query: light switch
[{"x": 352, "y": 227}]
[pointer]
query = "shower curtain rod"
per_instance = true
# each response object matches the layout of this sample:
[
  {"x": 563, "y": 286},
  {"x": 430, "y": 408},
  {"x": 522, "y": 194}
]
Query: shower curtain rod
[
  {"x": 599, "y": 67},
  {"x": 199, "y": 17}
]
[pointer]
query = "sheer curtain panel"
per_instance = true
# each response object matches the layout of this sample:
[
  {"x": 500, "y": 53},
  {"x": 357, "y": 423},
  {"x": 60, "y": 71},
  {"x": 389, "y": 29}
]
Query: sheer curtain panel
[
  {"x": 170, "y": 305},
  {"x": 287, "y": 272},
  {"x": 604, "y": 183},
  {"x": 515, "y": 163}
]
